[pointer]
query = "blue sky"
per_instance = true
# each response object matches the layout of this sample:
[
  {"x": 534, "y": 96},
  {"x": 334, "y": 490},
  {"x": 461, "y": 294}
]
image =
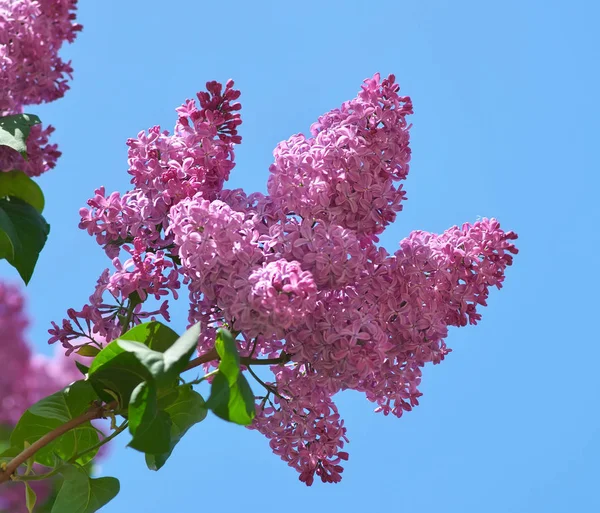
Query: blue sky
[{"x": 505, "y": 126}]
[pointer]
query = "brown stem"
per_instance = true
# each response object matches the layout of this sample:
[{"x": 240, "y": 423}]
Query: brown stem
[
  {"x": 205, "y": 358},
  {"x": 244, "y": 360},
  {"x": 95, "y": 412},
  {"x": 280, "y": 360}
]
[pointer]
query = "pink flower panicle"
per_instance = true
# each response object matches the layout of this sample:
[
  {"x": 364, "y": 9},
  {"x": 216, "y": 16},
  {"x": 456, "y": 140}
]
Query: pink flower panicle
[
  {"x": 33, "y": 32},
  {"x": 296, "y": 274},
  {"x": 345, "y": 172},
  {"x": 13, "y": 349},
  {"x": 29, "y": 377},
  {"x": 31, "y": 71},
  {"x": 304, "y": 426},
  {"x": 166, "y": 169}
]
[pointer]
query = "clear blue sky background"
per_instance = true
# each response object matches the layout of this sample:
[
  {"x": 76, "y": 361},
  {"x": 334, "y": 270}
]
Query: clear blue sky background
[{"x": 505, "y": 125}]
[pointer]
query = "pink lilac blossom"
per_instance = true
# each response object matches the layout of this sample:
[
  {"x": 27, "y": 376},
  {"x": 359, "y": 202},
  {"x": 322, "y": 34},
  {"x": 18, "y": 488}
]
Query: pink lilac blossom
[
  {"x": 29, "y": 377},
  {"x": 345, "y": 173},
  {"x": 13, "y": 349},
  {"x": 165, "y": 169},
  {"x": 296, "y": 274},
  {"x": 304, "y": 426},
  {"x": 31, "y": 71}
]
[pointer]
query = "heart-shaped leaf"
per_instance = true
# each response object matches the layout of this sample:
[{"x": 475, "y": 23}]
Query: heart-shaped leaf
[
  {"x": 82, "y": 494},
  {"x": 185, "y": 409}
]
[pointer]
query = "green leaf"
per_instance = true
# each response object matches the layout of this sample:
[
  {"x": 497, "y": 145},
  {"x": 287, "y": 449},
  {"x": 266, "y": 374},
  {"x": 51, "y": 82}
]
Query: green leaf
[
  {"x": 150, "y": 427},
  {"x": 164, "y": 367},
  {"x": 123, "y": 364},
  {"x": 134, "y": 298},
  {"x": 118, "y": 372},
  {"x": 67, "y": 404},
  {"x": 154, "y": 334},
  {"x": 29, "y": 462},
  {"x": 14, "y": 131},
  {"x": 231, "y": 397},
  {"x": 88, "y": 350},
  {"x": 23, "y": 234},
  {"x": 52, "y": 412},
  {"x": 10, "y": 452},
  {"x": 232, "y": 400},
  {"x": 82, "y": 368},
  {"x": 4, "y": 438},
  {"x": 152, "y": 361},
  {"x": 178, "y": 355},
  {"x": 228, "y": 352},
  {"x": 46, "y": 506},
  {"x": 185, "y": 410},
  {"x": 19, "y": 185},
  {"x": 82, "y": 494},
  {"x": 30, "y": 498}
]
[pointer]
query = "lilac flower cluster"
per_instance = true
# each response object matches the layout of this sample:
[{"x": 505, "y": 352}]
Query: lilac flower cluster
[
  {"x": 31, "y": 72},
  {"x": 297, "y": 274}
]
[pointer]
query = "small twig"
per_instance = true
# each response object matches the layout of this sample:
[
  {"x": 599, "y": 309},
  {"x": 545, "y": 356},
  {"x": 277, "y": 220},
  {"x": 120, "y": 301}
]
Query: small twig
[
  {"x": 212, "y": 355},
  {"x": 105, "y": 440},
  {"x": 253, "y": 347},
  {"x": 268, "y": 388},
  {"x": 205, "y": 358},
  {"x": 204, "y": 378},
  {"x": 280, "y": 360},
  {"x": 128, "y": 317}
]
